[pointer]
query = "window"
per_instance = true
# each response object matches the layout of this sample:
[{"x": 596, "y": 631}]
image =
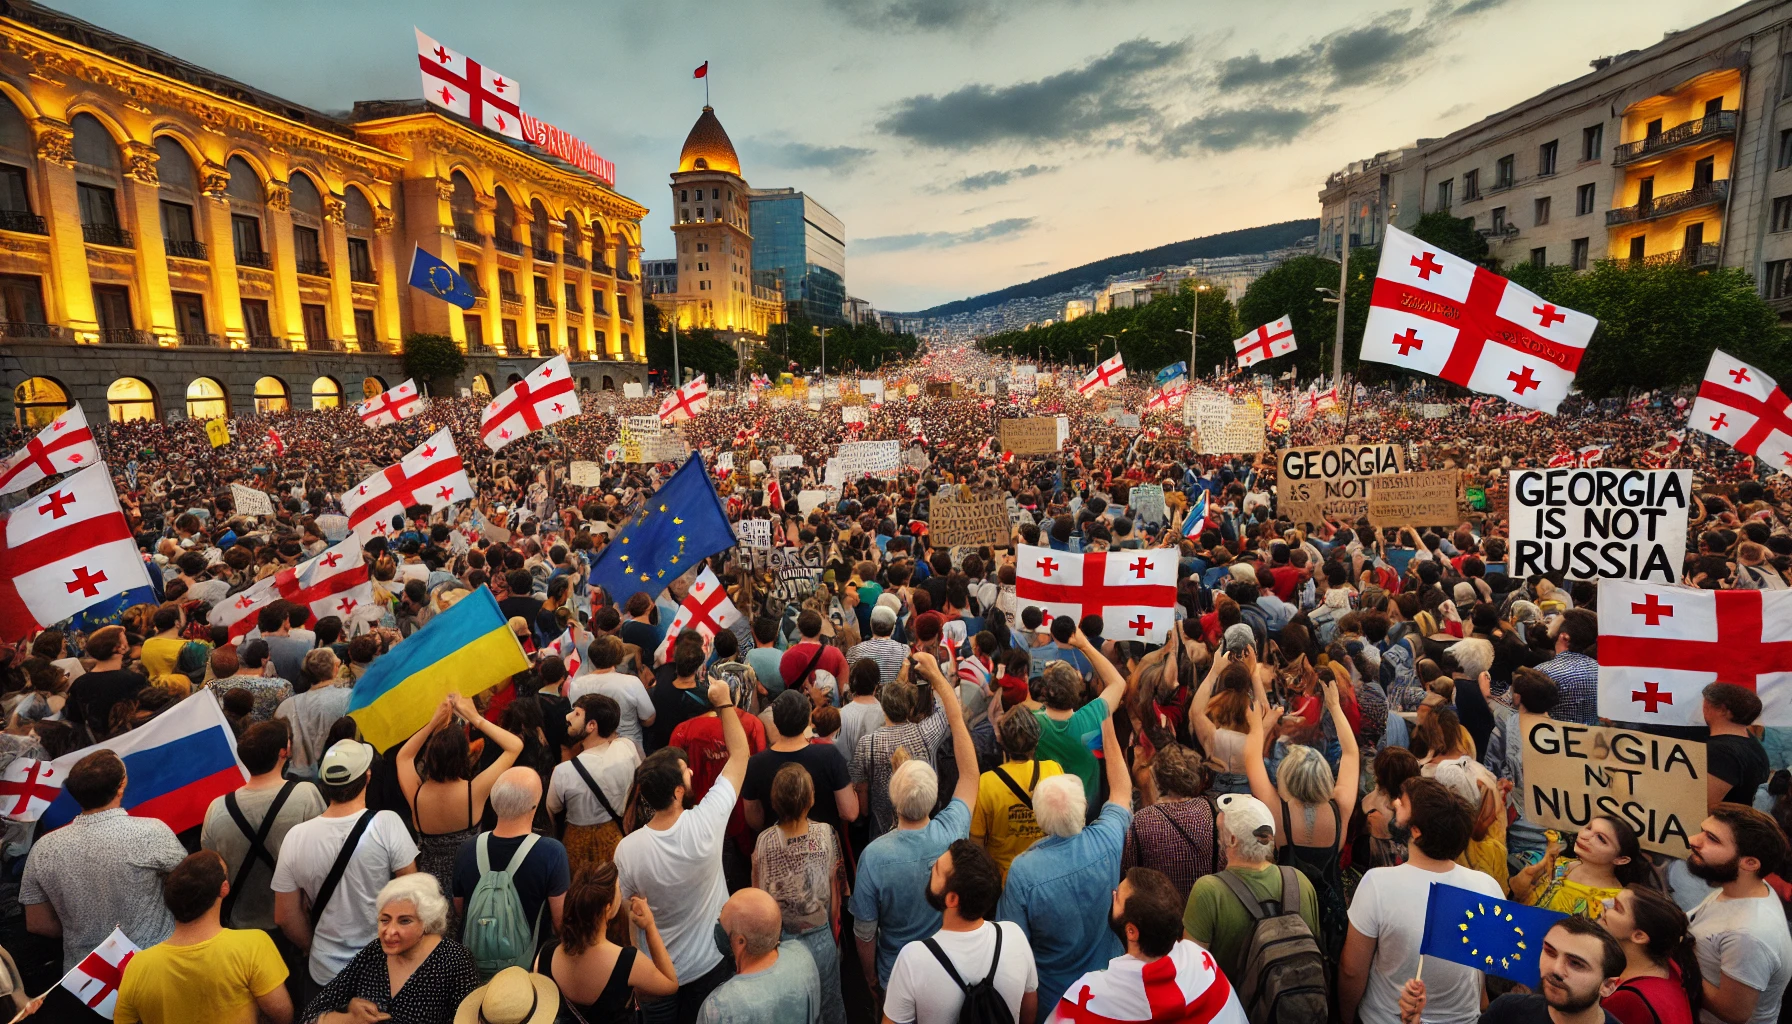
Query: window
[
  {"x": 701, "y": 266},
  {"x": 1583, "y": 199},
  {"x": 703, "y": 286},
  {"x": 1652, "y": 130},
  {"x": 317, "y": 323},
  {"x": 39, "y": 400},
  {"x": 129, "y": 398},
  {"x": 684, "y": 195},
  {"x": 326, "y": 393},
  {"x": 1592, "y": 142},
  {"x": 572, "y": 295},
  {"x": 1540, "y": 257},
  {"x": 360, "y": 261},
  {"x": 1503, "y": 172},
  {"x": 1578, "y": 253},
  {"x": 21, "y": 299},
  {"x": 177, "y": 224},
  {"x": 189, "y": 318},
  {"x": 1444, "y": 188},
  {"x": 1785, "y": 159},
  {"x": 1782, "y": 214},
  {"x": 1471, "y": 185},
  {"x": 715, "y": 193},
  {"x": 510, "y": 343},
  {"x": 206, "y": 400},
  {"x": 597, "y": 302},
  {"x": 715, "y": 214},
  {"x": 1786, "y": 76},
  {"x": 271, "y": 396},
  {"x": 507, "y": 286},
  {"x": 542, "y": 345},
  {"x": 1638, "y": 247},
  {"x": 245, "y": 233},
  {"x": 112, "y": 307},
  {"x": 255, "y": 318},
  {"x": 702, "y": 246},
  {"x": 1546, "y": 159},
  {"x": 475, "y": 334},
  {"x": 1714, "y": 106},
  {"x": 1498, "y": 220},
  {"x": 1779, "y": 279},
  {"x": 1693, "y": 238},
  {"x": 1704, "y": 171},
  {"x": 99, "y": 208},
  {"x": 1540, "y": 216},
  {"x": 366, "y": 335},
  {"x": 307, "y": 251}
]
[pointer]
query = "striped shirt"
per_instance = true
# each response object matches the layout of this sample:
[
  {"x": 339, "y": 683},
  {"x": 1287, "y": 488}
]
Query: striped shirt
[{"x": 886, "y": 652}]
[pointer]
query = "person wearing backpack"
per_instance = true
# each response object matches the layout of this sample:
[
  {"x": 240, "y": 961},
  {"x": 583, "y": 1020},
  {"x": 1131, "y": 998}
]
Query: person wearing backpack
[
  {"x": 1264, "y": 940},
  {"x": 510, "y": 884},
  {"x": 973, "y": 970}
]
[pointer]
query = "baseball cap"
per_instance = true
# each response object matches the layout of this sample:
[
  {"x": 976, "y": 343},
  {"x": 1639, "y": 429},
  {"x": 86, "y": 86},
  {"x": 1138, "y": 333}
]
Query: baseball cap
[
  {"x": 344, "y": 762},
  {"x": 1246, "y": 816}
]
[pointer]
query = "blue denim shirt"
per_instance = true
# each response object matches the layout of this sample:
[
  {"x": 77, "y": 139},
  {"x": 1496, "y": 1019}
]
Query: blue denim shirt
[
  {"x": 1060, "y": 891},
  {"x": 894, "y": 874}
]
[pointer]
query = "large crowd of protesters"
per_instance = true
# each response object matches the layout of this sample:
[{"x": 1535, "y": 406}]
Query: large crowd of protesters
[{"x": 892, "y": 793}]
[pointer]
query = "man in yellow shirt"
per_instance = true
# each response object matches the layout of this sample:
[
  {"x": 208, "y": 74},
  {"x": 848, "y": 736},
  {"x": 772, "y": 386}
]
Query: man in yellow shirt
[
  {"x": 204, "y": 971},
  {"x": 161, "y": 651},
  {"x": 1003, "y": 820}
]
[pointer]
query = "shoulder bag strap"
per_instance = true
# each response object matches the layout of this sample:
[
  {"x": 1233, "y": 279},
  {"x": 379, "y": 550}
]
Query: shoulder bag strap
[
  {"x": 1290, "y": 890},
  {"x": 1190, "y": 840},
  {"x": 1337, "y": 826},
  {"x": 1252, "y": 905},
  {"x": 334, "y": 878},
  {"x": 1213, "y": 826},
  {"x": 596, "y": 791},
  {"x": 946, "y": 962},
  {"x": 820, "y": 649},
  {"x": 995, "y": 958},
  {"x": 1642, "y": 997},
  {"x": 258, "y": 838},
  {"x": 1019, "y": 794}
]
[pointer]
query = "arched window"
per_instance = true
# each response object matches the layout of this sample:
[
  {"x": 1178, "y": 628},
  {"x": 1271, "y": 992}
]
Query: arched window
[
  {"x": 600, "y": 259},
  {"x": 94, "y": 146},
  {"x": 271, "y": 395},
  {"x": 246, "y": 198},
  {"x": 96, "y": 183},
  {"x": 357, "y": 212},
  {"x": 513, "y": 379},
  {"x": 307, "y": 226},
  {"x": 245, "y": 184},
  {"x": 306, "y": 202},
  {"x": 538, "y": 228},
  {"x": 574, "y": 237},
  {"x": 206, "y": 399},
  {"x": 504, "y": 216},
  {"x": 129, "y": 398},
  {"x": 326, "y": 393},
  {"x": 609, "y": 383},
  {"x": 174, "y": 169},
  {"x": 465, "y": 205},
  {"x": 372, "y": 387},
  {"x": 180, "y": 190},
  {"x": 482, "y": 385},
  {"x": 38, "y": 400},
  {"x": 358, "y": 220},
  {"x": 16, "y": 161}
]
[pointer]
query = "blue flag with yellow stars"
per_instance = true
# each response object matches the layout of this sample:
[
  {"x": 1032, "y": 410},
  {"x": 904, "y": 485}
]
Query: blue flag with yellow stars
[
  {"x": 439, "y": 279},
  {"x": 1487, "y": 933},
  {"x": 677, "y": 527}
]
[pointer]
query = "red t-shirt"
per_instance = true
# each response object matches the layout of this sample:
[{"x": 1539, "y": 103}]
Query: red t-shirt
[
  {"x": 798, "y": 657},
  {"x": 1631, "y": 1003},
  {"x": 1287, "y": 578},
  {"x": 706, "y": 752}
]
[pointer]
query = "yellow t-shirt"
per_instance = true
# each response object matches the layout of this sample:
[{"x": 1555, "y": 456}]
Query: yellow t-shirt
[
  {"x": 1001, "y": 822},
  {"x": 160, "y": 653},
  {"x": 216, "y": 981}
]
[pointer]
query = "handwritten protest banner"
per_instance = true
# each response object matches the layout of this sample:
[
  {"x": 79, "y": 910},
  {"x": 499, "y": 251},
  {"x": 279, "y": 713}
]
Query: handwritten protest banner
[
  {"x": 1417, "y": 499},
  {"x": 754, "y": 533},
  {"x": 858, "y": 458},
  {"x": 1147, "y": 501},
  {"x": 251, "y": 502},
  {"x": 1655, "y": 784},
  {"x": 852, "y": 414},
  {"x": 642, "y": 426},
  {"x": 1241, "y": 432},
  {"x": 1037, "y": 435},
  {"x": 1437, "y": 410},
  {"x": 787, "y": 461},
  {"x": 1615, "y": 524},
  {"x": 585, "y": 474},
  {"x": 1332, "y": 480},
  {"x": 630, "y": 389},
  {"x": 979, "y": 521}
]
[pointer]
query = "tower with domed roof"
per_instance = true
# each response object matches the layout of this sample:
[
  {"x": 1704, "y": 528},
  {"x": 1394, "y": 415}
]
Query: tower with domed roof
[{"x": 713, "y": 236}]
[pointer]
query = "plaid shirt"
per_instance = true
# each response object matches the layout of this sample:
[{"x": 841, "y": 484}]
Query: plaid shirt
[
  {"x": 1577, "y": 677},
  {"x": 871, "y": 761},
  {"x": 1154, "y": 841},
  {"x": 886, "y": 652}
]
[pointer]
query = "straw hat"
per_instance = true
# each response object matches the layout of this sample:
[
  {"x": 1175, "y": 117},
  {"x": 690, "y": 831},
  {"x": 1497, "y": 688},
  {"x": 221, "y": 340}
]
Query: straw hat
[{"x": 513, "y": 996}]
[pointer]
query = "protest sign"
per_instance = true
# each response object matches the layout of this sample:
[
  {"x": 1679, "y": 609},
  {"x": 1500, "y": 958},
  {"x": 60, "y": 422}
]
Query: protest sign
[
  {"x": 251, "y": 502},
  {"x": 642, "y": 426},
  {"x": 1063, "y": 430},
  {"x": 916, "y": 458},
  {"x": 852, "y": 398},
  {"x": 859, "y": 458},
  {"x": 1127, "y": 421},
  {"x": 1147, "y": 501},
  {"x": 1572, "y": 773},
  {"x": 787, "y": 461},
  {"x": 808, "y": 501},
  {"x": 630, "y": 389},
  {"x": 873, "y": 390},
  {"x": 852, "y": 414},
  {"x": 1026, "y": 380},
  {"x": 1037, "y": 435},
  {"x": 1437, "y": 410},
  {"x": 1240, "y": 433},
  {"x": 1622, "y": 524},
  {"x": 833, "y": 474},
  {"x": 1331, "y": 480},
  {"x": 754, "y": 533},
  {"x": 1417, "y": 499},
  {"x": 586, "y": 474},
  {"x": 725, "y": 462},
  {"x": 980, "y": 521}
]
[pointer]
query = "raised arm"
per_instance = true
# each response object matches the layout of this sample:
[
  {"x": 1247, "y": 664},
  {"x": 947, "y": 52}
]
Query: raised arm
[
  {"x": 1350, "y": 763},
  {"x": 1255, "y": 770},
  {"x": 735, "y": 770},
  {"x": 1113, "y": 684},
  {"x": 408, "y": 779},
  {"x": 1114, "y": 761},
  {"x": 1198, "y": 721},
  {"x": 964, "y": 754},
  {"x": 509, "y": 746}
]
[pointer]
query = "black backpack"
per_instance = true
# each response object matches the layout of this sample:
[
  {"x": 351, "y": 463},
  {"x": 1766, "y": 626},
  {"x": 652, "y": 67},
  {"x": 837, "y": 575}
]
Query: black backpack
[{"x": 982, "y": 1003}]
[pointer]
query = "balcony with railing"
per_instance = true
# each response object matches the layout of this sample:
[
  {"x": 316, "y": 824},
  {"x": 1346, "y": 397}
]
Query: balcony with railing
[
  {"x": 573, "y": 308},
  {"x": 259, "y": 258},
  {"x": 23, "y": 221},
  {"x": 624, "y": 275},
  {"x": 362, "y": 274},
  {"x": 545, "y": 255},
  {"x": 599, "y": 266},
  {"x": 193, "y": 339},
  {"x": 468, "y": 233},
  {"x": 324, "y": 345},
  {"x": 509, "y": 245},
  {"x": 312, "y": 268},
  {"x": 19, "y": 330},
  {"x": 573, "y": 259},
  {"x": 1704, "y": 129},
  {"x": 184, "y": 249},
  {"x": 266, "y": 341},
  {"x": 108, "y": 234},
  {"x": 125, "y": 336},
  {"x": 505, "y": 295},
  {"x": 542, "y": 302},
  {"x": 1714, "y": 194},
  {"x": 1698, "y": 257}
]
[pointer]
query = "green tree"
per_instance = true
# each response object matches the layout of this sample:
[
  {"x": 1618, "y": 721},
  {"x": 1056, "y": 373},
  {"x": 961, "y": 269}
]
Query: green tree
[
  {"x": 435, "y": 359},
  {"x": 1452, "y": 234},
  {"x": 699, "y": 349}
]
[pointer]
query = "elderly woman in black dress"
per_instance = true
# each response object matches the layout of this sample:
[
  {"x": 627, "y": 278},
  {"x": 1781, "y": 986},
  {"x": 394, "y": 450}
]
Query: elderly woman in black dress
[{"x": 412, "y": 972}]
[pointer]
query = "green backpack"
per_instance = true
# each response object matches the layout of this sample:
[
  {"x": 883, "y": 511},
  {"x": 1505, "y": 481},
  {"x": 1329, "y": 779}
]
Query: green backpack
[{"x": 496, "y": 932}]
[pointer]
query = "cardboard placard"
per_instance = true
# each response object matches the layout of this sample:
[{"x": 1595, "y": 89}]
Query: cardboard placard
[
  {"x": 859, "y": 458},
  {"x": 1431, "y": 498},
  {"x": 808, "y": 501},
  {"x": 725, "y": 462},
  {"x": 852, "y": 414},
  {"x": 1332, "y": 480},
  {"x": 1147, "y": 501},
  {"x": 1437, "y": 410},
  {"x": 787, "y": 461},
  {"x": 630, "y": 389},
  {"x": 873, "y": 390},
  {"x": 1575, "y": 772},
  {"x": 1242, "y": 432},
  {"x": 980, "y": 521},
  {"x": 1127, "y": 421},
  {"x": 251, "y": 502},
  {"x": 754, "y": 533},
  {"x": 642, "y": 426},
  {"x": 916, "y": 458},
  {"x": 1623, "y": 524},
  {"x": 1035, "y": 435},
  {"x": 585, "y": 474},
  {"x": 852, "y": 398}
]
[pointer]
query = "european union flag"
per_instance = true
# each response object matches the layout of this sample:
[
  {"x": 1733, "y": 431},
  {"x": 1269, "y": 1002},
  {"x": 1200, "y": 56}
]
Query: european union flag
[
  {"x": 1171, "y": 372},
  {"x": 1487, "y": 933},
  {"x": 439, "y": 279},
  {"x": 677, "y": 527}
]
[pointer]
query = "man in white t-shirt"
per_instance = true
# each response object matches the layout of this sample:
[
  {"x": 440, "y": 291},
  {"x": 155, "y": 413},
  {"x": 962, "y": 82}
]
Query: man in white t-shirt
[
  {"x": 675, "y": 863},
  {"x": 965, "y": 887},
  {"x": 1745, "y": 950},
  {"x": 609, "y": 763},
  {"x": 383, "y": 851},
  {"x": 627, "y": 691},
  {"x": 1381, "y": 950}
]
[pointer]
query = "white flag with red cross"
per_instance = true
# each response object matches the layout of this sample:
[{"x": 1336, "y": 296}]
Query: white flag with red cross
[
  {"x": 706, "y": 609},
  {"x": 685, "y": 402},
  {"x": 543, "y": 398},
  {"x": 1110, "y": 373},
  {"x": 335, "y": 582},
  {"x": 95, "y": 979},
  {"x": 461, "y": 84},
  {"x": 64, "y": 445},
  {"x": 65, "y": 550},
  {"x": 28, "y": 788},
  {"x": 1660, "y": 646},
  {"x": 774, "y": 496},
  {"x": 1442, "y": 315},
  {"x": 1746, "y": 409},
  {"x": 431, "y": 475},
  {"x": 1133, "y": 591},
  {"x": 399, "y": 403},
  {"x": 566, "y": 649},
  {"x": 1273, "y": 339}
]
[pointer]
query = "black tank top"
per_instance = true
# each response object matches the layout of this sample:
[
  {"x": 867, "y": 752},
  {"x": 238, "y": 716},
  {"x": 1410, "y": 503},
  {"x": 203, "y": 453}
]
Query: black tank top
[{"x": 611, "y": 1002}]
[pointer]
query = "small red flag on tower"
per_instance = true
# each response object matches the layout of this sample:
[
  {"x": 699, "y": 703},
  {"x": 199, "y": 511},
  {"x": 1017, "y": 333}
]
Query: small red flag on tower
[{"x": 701, "y": 72}]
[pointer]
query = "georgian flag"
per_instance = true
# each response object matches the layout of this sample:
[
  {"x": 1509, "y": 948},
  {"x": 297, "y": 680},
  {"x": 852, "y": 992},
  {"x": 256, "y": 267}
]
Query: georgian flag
[
  {"x": 544, "y": 397},
  {"x": 336, "y": 582},
  {"x": 1185, "y": 987},
  {"x": 566, "y": 649},
  {"x": 1111, "y": 371},
  {"x": 1592, "y": 455},
  {"x": 1169, "y": 397},
  {"x": 431, "y": 475},
  {"x": 28, "y": 788},
  {"x": 1442, "y": 315},
  {"x": 774, "y": 496},
  {"x": 706, "y": 609},
  {"x": 65, "y": 550},
  {"x": 1660, "y": 646},
  {"x": 387, "y": 407},
  {"x": 1563, "y": 457},
  {"x": 1273, "y": 339},
  {"x": 64, "y": 445},
  {"x": 685, "y": 402},
  {"x": 1134, "y": 591},
  {"x": 95, "y": 979},
  {"x": 479, "y": 94},
  {"x": 1744, "y": 408}
]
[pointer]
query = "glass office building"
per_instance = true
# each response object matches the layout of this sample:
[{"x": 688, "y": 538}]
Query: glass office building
[{"x": 798, "y": 240}]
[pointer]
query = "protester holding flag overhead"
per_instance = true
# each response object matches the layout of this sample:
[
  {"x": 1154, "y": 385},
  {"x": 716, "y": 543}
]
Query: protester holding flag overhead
[
  {"x": 62, "y": 447},
  {"x": 544, "y": 397}
]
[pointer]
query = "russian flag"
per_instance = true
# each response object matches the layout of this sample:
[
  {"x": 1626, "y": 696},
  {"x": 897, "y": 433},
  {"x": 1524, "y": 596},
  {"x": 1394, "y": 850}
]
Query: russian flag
[
  {"x": 175, "y": 765},
  {"x": 1197, "y": 514}
]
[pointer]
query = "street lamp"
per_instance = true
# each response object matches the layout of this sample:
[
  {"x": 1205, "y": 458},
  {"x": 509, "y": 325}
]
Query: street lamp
[{"x": 1194, "y": 325}]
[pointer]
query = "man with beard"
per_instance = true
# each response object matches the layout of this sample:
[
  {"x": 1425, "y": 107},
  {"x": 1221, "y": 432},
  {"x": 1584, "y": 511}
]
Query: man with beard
[
  {"x": 1745, "y": 951},
  {"x": 930, "y": 976},
  {"x": 1580, "y": 964}
]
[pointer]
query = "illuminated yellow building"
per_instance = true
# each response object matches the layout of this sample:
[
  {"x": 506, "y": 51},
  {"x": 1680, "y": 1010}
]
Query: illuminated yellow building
[
  {"x": 713, "y": 236},
  {"x": 177, "y": 244},
  {"x": 1674, "y": 158}
]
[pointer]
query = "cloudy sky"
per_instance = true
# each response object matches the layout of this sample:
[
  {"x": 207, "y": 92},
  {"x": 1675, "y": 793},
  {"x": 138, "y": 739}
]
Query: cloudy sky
[{"x": 966, "y": 144}]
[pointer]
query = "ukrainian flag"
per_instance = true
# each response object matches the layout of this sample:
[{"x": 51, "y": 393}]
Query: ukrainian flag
[{"x": 467, "y": 649}]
